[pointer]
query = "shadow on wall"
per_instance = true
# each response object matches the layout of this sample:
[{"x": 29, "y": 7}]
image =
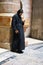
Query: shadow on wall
[{"x": 11, "y": 37}]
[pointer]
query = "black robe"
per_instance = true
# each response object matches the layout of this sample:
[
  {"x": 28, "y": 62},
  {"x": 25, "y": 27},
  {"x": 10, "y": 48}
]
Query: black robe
[{"x": 18, "y": 40}]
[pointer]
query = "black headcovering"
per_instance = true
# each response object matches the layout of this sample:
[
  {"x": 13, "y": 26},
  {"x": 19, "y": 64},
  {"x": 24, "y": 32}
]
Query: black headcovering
[{"x": 19, "y": 11}]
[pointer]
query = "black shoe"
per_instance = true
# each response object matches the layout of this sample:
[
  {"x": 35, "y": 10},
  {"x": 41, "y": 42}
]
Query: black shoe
[
  {"x": 14, "y": 51},
  {"x": 19, "y": 51}
]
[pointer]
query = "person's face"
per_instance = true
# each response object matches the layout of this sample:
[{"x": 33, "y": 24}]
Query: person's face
[{"x": 21, "y": 14}]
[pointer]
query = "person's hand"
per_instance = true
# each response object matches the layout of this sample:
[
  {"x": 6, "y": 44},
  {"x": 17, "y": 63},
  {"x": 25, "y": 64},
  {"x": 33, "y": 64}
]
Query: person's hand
[
  {"x": 16, "y": 31},
  {"x": 23, "y": 19}
]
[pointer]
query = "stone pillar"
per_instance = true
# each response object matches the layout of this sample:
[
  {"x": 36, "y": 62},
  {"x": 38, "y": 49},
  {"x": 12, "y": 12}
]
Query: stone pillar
[
  {"x": 27, "y": 4},
  {"x": 7, "y": 9},
  {"x": 9, "y": 6}
]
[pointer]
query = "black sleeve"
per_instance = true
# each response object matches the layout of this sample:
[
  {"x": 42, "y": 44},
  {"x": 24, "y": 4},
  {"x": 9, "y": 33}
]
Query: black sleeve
[
  {"x": 14, "y": 23},
  {"x": 22, "y": 23}
]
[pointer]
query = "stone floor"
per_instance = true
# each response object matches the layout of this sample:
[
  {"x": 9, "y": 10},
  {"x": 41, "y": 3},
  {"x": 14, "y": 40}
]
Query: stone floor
[
  {"x": 33, "y": 54},
  {"x": 32, "y": 41}
]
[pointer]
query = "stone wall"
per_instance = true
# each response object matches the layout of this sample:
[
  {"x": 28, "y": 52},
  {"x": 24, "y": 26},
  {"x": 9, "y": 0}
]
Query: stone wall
[
  {"x": 9, "y": 6},
  {"x": 5, "y": 31},
  {"x": 7, "y": 9},
  {"x": 27, "y": 4},
  {"x": 37, "y": 19}
]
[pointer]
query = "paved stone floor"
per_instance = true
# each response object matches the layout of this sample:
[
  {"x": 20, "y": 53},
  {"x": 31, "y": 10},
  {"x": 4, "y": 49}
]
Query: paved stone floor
[{"x": 33, "y": 55}]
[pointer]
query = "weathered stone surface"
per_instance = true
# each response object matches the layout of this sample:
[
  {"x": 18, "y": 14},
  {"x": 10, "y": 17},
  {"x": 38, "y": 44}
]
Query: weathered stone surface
[
  {"x": 27, "y": 4},
  {"x": 37, "y": 19},
  {"x": 9, "y": 6},
  {"x": 9, "y": 0},
  {"x": 4, "y": 34},
  {"x": 5, "y": 31},
  {"x": 5, "y": 21},
  {"x": 5, "y": 45}
]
